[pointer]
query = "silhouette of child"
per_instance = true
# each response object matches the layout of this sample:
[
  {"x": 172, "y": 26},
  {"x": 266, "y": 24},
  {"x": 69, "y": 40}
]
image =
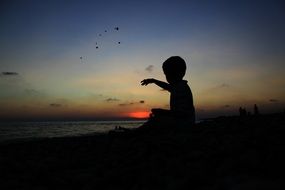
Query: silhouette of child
[{"x": 181, "y": 100}]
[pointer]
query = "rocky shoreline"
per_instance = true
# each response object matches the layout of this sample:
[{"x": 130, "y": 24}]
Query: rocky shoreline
[{"x": 223, "y": 153}]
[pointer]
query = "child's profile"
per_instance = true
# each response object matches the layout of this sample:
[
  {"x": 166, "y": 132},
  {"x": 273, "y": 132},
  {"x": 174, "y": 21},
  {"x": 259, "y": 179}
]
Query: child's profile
[{"x": 181, "y": 100}]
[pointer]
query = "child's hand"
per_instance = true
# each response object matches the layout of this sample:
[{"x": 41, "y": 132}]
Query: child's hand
[{"x": 147, "y": 81}]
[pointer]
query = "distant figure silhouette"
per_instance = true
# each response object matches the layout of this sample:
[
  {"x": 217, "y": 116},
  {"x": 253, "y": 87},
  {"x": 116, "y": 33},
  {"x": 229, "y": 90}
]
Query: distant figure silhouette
[
  {"x": 182, "y": 110},
  {"x": 256, "y": 110},
  {"x": 242, "y": 112}
]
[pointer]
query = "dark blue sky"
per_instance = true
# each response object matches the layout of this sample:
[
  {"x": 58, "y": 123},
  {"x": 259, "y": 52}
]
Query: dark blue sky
[{"x": 22, "y": 21}]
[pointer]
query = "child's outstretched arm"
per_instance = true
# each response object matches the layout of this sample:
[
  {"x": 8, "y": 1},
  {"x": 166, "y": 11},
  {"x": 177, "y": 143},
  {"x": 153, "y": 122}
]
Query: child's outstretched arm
[{"x": 159, "y": 83}]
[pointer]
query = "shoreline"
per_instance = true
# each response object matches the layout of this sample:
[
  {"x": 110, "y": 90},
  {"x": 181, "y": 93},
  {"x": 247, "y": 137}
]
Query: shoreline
[{"x": 18, "y": 131}]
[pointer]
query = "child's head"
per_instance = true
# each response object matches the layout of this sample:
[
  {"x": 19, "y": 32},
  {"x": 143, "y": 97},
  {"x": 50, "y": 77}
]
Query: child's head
[{"x": 174, "y": 69}]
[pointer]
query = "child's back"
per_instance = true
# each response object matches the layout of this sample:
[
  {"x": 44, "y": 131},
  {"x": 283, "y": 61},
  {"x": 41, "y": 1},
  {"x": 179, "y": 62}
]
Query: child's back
[{"x": 181, "y": 99}]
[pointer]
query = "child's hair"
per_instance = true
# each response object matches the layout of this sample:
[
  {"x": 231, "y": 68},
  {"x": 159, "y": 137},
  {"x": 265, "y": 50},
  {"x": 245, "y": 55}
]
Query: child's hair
[{"x": 174, "y": 66}]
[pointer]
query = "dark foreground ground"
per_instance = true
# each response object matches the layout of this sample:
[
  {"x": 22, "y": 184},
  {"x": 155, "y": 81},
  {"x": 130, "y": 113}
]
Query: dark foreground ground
[{"x": 225, "y": 153}]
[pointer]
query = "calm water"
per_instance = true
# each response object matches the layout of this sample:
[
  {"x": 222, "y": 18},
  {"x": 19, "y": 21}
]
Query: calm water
[{"x": 26, "y": 130}]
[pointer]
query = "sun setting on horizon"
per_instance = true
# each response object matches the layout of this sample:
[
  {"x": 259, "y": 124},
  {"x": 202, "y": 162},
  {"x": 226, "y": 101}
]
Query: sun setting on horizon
[{"x": 139, "y": 115}]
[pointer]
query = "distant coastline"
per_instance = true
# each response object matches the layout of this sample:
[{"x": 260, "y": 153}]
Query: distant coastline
[{"x": 23, "y": 130}]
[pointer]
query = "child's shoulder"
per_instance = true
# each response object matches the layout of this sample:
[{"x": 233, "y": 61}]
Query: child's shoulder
[
  {"x": 182, "y": 84},
  {"x": 182, "y": 91}
]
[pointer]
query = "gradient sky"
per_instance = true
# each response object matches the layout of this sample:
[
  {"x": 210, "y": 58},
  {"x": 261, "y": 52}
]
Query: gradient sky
[{"x": 235, "y": 53}]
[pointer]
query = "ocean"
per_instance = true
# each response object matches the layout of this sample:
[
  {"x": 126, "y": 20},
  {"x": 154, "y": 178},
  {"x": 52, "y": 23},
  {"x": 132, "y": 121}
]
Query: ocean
[{"x": 10, "y": 131}]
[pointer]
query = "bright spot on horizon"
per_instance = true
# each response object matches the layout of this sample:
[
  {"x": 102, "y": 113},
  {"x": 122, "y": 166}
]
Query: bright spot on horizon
[{"x": 139, "y": 115}]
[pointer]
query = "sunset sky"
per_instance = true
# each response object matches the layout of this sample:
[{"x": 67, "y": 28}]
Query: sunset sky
[{"x": 50, "y": 67}]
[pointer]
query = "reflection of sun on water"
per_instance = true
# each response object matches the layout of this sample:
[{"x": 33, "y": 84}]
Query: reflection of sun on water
[{"x": 139, "y": 115}]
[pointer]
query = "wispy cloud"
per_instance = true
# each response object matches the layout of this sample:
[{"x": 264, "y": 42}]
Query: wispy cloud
[
  {"x": 12, "y": 78},
  {"x": 223, "y": 85},
  {"x": 93, "y": 95},
  {"x": 34, "y": 93},
  {"x": 9, "y": 74},
  {"x": 61, "y": 102},
  {"x": 274, "y": 100},
  {"x": 112, "y": 100},
  {"x": 55, "y": 105},
  {"x": 218, "y": 88},
  {"x": 132, "y": 103},
  {"x": 126, "y": 104},
  {"x": 149, "y": 68}
]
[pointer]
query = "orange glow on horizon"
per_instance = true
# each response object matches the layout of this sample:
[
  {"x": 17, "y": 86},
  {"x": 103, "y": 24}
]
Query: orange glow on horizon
[{"x": 139, "y": 115}]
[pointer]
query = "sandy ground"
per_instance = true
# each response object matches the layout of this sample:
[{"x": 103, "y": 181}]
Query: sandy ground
[{"x": 224, "y": 153}]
